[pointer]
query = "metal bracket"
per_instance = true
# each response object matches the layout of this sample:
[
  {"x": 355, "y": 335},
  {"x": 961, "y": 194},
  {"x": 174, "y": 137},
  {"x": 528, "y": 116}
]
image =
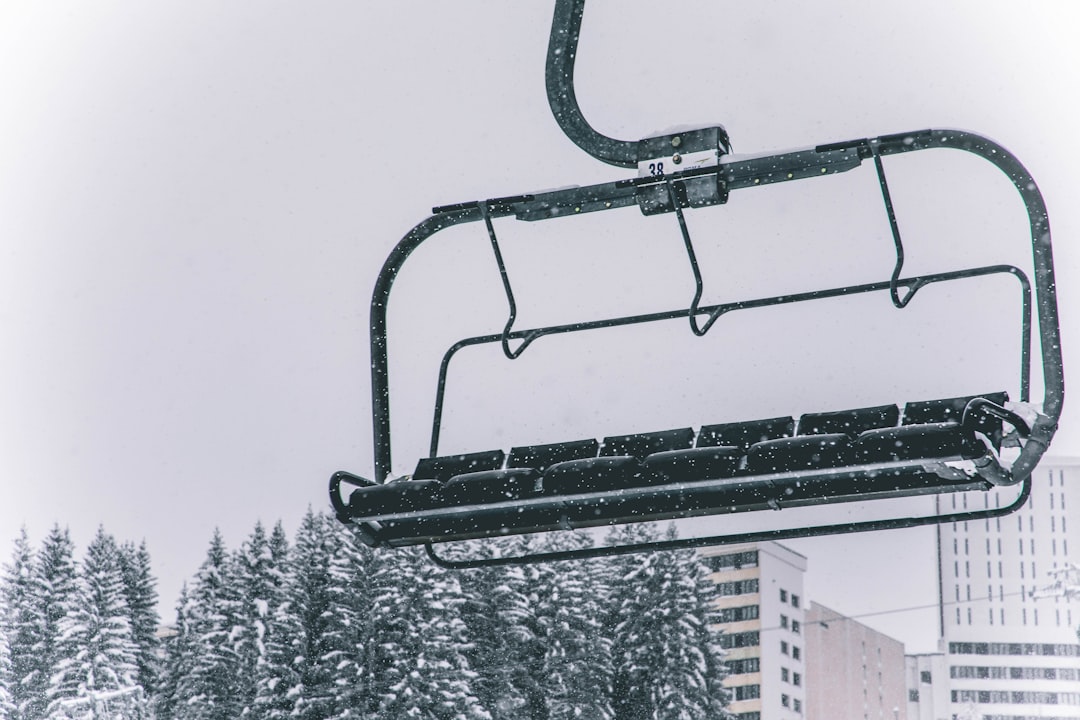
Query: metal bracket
[{"x": 692, "y": 153}]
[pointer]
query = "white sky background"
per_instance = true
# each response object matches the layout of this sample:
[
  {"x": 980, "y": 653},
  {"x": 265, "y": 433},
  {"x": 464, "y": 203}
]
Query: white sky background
[{"x": 196, "y": 197}]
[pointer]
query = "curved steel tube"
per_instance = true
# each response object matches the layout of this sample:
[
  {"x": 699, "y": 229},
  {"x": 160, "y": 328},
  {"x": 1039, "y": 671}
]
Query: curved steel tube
[{"x": 559, "y": 78}]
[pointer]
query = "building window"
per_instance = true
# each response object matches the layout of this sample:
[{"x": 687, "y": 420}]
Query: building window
[
  {"x": 795, "y": 626},
  {"x": 746, "y": 665},
  {"x": 784, "y": 647},
  {"x": 913, "y": 695},
  {"x": 737, "y": 587},
  {"x": 796, "y": 705},
  {"x": 783, "y": 621},
  {"x": 795, "y": 652},
  {"x": 796, "y": 678},
  {"x": 737, "y": 614},
  {"x": 733, "y": 561},
  {"x": 925, "y": 677},
  {"x": 783, "y": 595},
  {"x": 784, "y": 674},
  {"x": 743, "y": 639},
  {"x": 747, "y": 692},
  {"x": 785, "y": 701},
  {"x": 794, "y": 600}
]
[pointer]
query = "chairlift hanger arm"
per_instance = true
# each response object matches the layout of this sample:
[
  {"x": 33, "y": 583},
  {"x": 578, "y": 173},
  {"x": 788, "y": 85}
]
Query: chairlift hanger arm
[{"x": 559, "y": 77}]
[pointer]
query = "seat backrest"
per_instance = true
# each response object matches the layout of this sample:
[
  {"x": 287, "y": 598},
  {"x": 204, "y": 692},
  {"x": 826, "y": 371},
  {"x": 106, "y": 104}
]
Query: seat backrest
[
  {"x": 641, "y": 445},
  {"x": 542, "y": 456},
  {"x": 849, "y": 422},
  {"x": 446, "y": 467},
  {"x": 743, "y": 435}
]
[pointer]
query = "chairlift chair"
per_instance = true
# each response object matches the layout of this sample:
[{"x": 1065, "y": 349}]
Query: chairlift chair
[{"x": 925, "y": 446}]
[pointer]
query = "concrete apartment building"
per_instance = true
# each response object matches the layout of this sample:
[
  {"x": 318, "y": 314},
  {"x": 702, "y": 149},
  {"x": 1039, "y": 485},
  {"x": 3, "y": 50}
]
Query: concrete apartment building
[
  {"x": 853, "y": 672},
  {"x": 762, "y": 612},
  {"x": 1010, "y": 653}
]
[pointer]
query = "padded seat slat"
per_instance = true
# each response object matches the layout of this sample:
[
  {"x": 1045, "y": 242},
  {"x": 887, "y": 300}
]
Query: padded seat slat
[
  {"x": 394, "y": 497},
  {"x": 447, "y": 466},
  {"x": 696, "y": 463},
  {"x": 744, "y": 434},
  {"x": 804, "y": 452},
  {"x": 543, "y": 456},
  {"x": 490, "y": 486},
  {"x": 849, "y": 422},
  {"x": 598, "y": 474},
  {"x": 641, "y": 445},
  {"x": 952, "y": 409},
  {"x": 907, "y": 442}
]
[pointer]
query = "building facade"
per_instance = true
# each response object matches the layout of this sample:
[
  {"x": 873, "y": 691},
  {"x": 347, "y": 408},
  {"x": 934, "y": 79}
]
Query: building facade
[
  {"x": 853, "y": 672},
  {"x": 762, "y": 612},
  {"x": 927, "y": 687},
  {"x": 1010, "y": 647}
]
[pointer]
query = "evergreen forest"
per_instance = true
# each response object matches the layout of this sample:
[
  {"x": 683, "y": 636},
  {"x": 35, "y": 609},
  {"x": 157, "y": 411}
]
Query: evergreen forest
[{"x": 324, "y": 627}]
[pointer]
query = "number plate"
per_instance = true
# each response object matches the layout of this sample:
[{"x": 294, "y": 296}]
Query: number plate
[{"x": 677, "y": 162}]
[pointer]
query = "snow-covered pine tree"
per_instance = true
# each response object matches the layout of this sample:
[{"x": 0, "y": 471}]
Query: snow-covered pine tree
[
  {"x": 716, "y": 695},
  {"x": 261, "y": 586},
  {"x": 577, "y": 669},
  {"x": 181, "y": 651},
  {"x": 97, "y": 672},
  {"x": 332, "y": 575},
  {"x": 56, "y": 597},
  {"x": 277, "y": 675},
  {"x": 419, "y": 665},
  {"x": 7, "y": 703},
  {"x": 627, "y": 596},
  {"x": 666, "y": 664},
  {"x": 141, "y": 594},
  {"x": 19, "y": 623},
  {"x": 347, "y": 634},
  {"x": 210, "y": 690},
  {"x": 506, "y": 644}
]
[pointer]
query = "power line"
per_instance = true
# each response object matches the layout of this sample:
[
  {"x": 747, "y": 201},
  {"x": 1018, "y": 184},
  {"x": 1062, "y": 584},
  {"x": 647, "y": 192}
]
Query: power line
[{"x": 893, "y": 611}]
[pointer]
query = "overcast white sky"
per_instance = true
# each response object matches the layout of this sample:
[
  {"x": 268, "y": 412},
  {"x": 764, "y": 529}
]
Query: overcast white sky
[{"x": 196, "y": 197}]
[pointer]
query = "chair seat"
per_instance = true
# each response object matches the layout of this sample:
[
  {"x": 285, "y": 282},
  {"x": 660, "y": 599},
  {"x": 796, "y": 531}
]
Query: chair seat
[
  {"x": 805, "y": 452},
  {"x": 393, "y": 497},
  {"x": 696, "y": 463},
  {"x": 490, "y": 486},
  {"x": 600, "y": 474},
  {"x": 912, "y": 442}
]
